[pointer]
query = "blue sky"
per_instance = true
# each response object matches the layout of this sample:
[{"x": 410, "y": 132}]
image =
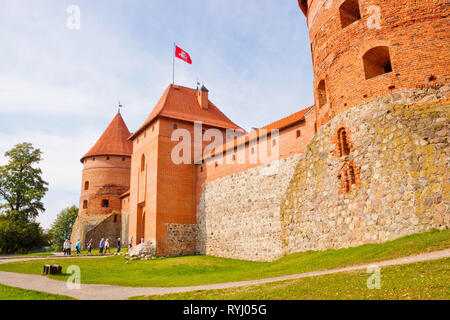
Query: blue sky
[{"x": 59, "y": 88}]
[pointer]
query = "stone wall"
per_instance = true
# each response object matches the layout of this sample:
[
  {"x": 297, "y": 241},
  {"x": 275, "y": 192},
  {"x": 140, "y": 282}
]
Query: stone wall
[
  {"x": 96, "y": 227},
  {"x": 239, "y": 215},
  {"x": 180, "y": 239},
  {"x": 400, "y": 157},
  {"x": 392, "y": 181}
]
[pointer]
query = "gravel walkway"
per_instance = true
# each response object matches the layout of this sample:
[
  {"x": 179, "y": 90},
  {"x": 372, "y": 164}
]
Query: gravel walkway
[{"x": 108, "y": 292}]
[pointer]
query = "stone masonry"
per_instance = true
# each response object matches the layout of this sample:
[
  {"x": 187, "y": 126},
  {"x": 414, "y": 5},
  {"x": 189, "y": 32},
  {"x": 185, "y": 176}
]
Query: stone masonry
[{"x": 401, "y": 155}]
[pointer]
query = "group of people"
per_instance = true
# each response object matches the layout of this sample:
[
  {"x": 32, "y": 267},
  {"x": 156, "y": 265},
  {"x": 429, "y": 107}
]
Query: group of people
[
  {"x": 104, "y": 246},
  {"x": 67, "y": 247}
]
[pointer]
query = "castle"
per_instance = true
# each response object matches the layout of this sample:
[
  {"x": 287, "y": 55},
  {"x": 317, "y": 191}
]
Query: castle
[{"x": 367, "y": 163}]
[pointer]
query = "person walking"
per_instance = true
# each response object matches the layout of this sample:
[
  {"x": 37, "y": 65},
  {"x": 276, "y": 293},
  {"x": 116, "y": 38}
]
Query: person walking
[
  {"x": 118, "y": 245},
  {"x": 64, "y": 247},
  {"x": 89, "y": 247},
  {"x": 107, "y": 246},
  {"x": 68, "y": 247},
  {"x": 130, "y": 243},
  {"x": 78, "y": 246},
  {"x": 101, "y": 245}
]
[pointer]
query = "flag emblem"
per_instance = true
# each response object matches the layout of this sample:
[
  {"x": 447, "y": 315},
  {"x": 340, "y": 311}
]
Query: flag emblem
[{"x": 183, "y": 55}]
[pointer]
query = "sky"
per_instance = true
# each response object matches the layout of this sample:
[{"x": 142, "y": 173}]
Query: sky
[{"x": 60, "y": 86}]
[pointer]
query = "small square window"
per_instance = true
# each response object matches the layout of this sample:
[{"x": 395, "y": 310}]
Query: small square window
[
  {"x": 175, "y": 126},
  {"x": 105, "y": 203}
]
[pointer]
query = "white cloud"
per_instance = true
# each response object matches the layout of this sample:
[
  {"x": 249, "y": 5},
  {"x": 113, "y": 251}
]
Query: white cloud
[{"x": 59, "y": 88}]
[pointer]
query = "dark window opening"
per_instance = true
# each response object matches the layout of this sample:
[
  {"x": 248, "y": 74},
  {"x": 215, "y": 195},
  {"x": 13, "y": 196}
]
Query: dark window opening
[
  {"x": 299, "y": 134},
  {"x": 377, "y": 61},
  {"x": 105, "y": 203},
  {"x": 115, "y": 218},
  {"x": 344, "y": 148},
  {"x": 107, "y": 158},
  {"x": 322, "y": 93},
  {"x": 86, "y": 185},
  {"x": 175, "y": 126},
  {"x": 85, "y": 204},
  {"x": 142, "y": 163},
  {"x": 349, "y": 12}
]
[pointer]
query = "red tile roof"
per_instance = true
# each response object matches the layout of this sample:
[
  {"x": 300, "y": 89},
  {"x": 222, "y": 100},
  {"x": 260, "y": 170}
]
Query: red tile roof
[
  {"x": 113, "y": 142},
  {"x": 181, "y": 103},
  {"x": 280, "y": 124},
  {"x": 287, "y": 121}
]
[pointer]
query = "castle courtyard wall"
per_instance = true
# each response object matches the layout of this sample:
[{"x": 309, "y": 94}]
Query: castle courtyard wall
[{"x": 398, "y": 148}]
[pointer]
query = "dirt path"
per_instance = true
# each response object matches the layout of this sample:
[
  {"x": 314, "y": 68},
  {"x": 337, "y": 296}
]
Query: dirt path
[{"x": 107, "y": 292}]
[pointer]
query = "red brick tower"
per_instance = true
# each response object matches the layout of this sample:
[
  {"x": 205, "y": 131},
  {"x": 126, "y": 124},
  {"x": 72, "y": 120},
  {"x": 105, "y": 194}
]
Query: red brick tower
[
  {"x": 366, "y": 49},
  {"x": 106, "y": 170},
  {"x": 105, "y": 177}
]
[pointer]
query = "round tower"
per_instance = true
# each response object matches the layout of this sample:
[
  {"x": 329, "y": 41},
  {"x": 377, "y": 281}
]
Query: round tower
[
  {"x": 365, "y": 49},
  {"x": 106, "y": 171}
]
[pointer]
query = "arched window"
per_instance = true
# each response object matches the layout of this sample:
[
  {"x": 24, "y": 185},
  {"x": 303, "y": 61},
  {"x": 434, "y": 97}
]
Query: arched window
[
  {"x": 322, "y": 93},
  {"x": 344, "y": 148},
  {"x": 377, "y": 61},
  {"x": 142, "y": 163},
  {"x": 349, "y": 12},
  {"x": 85, "y": 204},
  {"x": 86, "y": 185}
]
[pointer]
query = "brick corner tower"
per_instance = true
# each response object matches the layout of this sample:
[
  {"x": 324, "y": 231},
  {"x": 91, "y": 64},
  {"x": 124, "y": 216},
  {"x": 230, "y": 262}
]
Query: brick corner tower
[
  {"x": 366, "y": 49},
  {"x": 105, "y": 177}
]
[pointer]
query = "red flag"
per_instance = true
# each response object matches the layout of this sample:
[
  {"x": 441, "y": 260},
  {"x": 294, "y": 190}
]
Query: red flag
[{"x": 183, "y": 55}]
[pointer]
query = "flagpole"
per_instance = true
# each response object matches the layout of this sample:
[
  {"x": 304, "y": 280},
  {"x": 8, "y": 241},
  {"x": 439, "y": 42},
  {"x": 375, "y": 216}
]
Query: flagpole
[{"x": 173, "y": 64}]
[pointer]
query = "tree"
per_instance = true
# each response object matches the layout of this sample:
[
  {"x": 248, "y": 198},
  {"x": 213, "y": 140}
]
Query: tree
[
  {"x": 21, "y": 185},
  {"x": 20, "y": 236},
  {"x": 62, "y": 227},
  {"x": 21, "y": 191}
]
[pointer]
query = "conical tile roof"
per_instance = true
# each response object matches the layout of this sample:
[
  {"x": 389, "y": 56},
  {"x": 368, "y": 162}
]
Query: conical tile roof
[{"x": 113, "y": 142}]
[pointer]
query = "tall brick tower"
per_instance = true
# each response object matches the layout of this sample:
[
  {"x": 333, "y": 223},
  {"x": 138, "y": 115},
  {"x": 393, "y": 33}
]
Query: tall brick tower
[
  {"x": 105, "y": 177},
  {"x": 366, "y": 49}
]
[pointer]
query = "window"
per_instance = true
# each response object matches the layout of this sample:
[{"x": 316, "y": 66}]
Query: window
[
  {"x": 115, "y": 218},
  {"x": 344, "y": 148},
  {"x": 123, "y": 158},
  {"x": 350, "y": 13},
  {"x": 347, "y": 177},
  {"x": 216, "y": 164},
  {"x": 85, "y": 204},
  {"x": 105, "y": 203},
  {"x": 175, "y": 126},
  {"x": 142, "y": 163},
  {"x": 377, "y": 61},
  {"x": 86, "y": 185},
  {"x": 107, "y": 158},
  {"x": 298, "y": 133},
  {"x": 321, "y": 93}
]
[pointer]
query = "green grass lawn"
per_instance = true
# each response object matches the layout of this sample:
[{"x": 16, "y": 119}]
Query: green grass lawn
[
  {"x": 425, "y": 280},
  {"x": 10, "y": 293},
  {"x": 197, "y": 270}
]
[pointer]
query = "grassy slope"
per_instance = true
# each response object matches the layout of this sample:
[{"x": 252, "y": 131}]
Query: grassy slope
[
  {"x": 196, "y": 270},
  {"x": 424, "y": 280},
  {"x": 10, "y": 293}
]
